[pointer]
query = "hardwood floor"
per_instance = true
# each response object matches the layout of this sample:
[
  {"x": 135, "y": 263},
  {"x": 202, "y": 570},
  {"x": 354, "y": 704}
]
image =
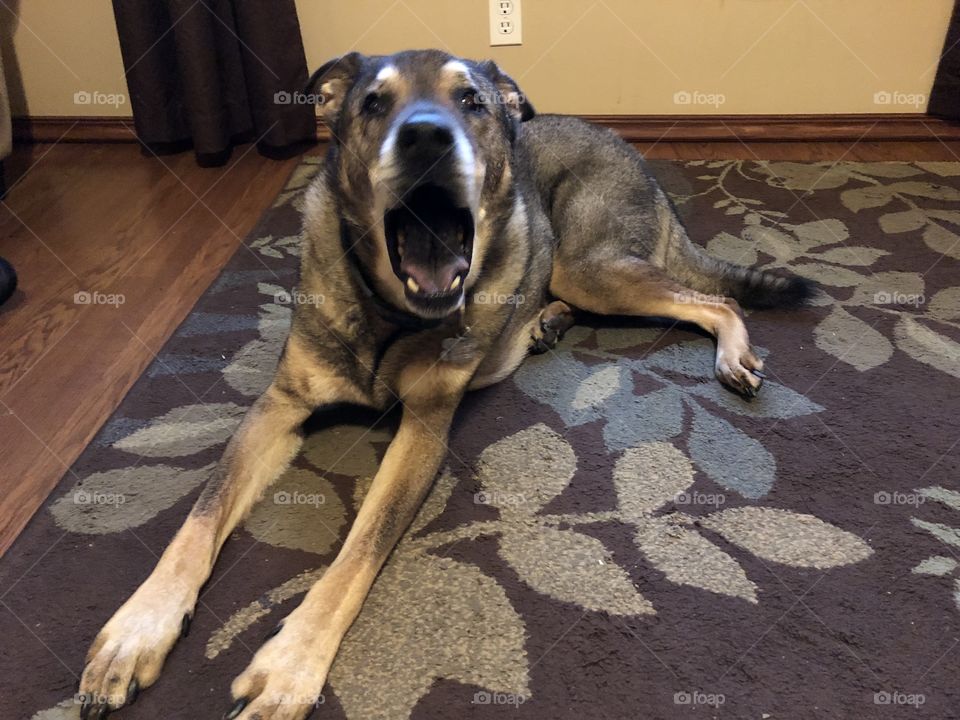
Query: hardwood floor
[{"x": 105, "y": 219}]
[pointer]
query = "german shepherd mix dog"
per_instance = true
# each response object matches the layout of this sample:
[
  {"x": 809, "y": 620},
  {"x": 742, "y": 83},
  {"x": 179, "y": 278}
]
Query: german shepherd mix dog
[{"x": 441, "y": 194}]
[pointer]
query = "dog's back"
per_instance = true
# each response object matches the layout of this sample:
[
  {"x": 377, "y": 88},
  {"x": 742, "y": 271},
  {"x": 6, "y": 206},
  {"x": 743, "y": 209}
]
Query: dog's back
[{"x": 601, "y": 198}]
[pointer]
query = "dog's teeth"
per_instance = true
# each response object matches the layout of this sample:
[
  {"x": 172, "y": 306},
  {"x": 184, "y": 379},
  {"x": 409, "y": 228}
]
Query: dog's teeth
[
  {"x": 456, "y": 283},
  {"x": 412, "y": 284}
]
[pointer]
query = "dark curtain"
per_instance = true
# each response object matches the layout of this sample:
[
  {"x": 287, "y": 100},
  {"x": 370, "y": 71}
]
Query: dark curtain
[
  {"x": 210, "y": 74},
  {"x": 945, "y": 96}
]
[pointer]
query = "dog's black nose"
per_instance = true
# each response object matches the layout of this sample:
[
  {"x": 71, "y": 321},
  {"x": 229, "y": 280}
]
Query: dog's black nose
[{"x": 425, "y": 133}]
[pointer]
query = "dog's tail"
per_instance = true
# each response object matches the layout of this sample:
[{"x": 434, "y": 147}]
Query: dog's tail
[
  {"x": 691, "y": 266},
  {"x": 750, "y": 287}
]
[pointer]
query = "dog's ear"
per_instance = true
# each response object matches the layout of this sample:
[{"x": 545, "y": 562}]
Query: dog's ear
[
  {"x": 331, "y": 83},
  {"x": 516, "y": 102}
]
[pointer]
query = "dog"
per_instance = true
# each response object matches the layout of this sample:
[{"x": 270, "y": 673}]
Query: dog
[{"x": 441, "y": 185}]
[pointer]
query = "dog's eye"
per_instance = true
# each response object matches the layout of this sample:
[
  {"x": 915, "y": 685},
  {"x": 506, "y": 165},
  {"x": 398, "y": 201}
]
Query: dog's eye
[
  {"x": 471, "y": 100},
  {"x": 374, "y": 104}
]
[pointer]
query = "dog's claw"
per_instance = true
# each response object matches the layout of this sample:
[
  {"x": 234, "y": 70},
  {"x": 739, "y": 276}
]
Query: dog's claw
[
  {"x": 274, "y": 632},
  {"x": 185, "y": 625},
  {"x": 104, "y": 711},
  {"x": 85, "y": 709},
  {"x": 236, "y": 709},
  {"x": 759, "y": 374},
  {"x": 133, "y": 690}
]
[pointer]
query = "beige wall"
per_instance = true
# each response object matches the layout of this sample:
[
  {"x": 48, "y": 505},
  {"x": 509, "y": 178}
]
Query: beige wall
[{"x": 578, "y": 56}]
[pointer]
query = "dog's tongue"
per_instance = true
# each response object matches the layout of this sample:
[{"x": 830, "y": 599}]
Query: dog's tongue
[{"x": 432, "y": 266}]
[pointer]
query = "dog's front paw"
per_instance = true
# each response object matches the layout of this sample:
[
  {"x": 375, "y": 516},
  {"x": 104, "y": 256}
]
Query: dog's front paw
[
  {"x": 555, "y": 319},
  {"x": 741, "y": 372},
  {"x": 129, "y": 651},
  {"x": 284, "y": 681}
]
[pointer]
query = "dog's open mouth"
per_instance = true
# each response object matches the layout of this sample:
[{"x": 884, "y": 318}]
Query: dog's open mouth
[{"x": 430, "y": 242}]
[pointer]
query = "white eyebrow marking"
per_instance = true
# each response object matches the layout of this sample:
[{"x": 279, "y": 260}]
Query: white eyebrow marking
[
  {"x": 455, "y": 67},
  {"x": 387, "y": 72}
]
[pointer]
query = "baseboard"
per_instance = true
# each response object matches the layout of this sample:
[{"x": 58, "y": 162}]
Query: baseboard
[{"x": 633, "y": 128}]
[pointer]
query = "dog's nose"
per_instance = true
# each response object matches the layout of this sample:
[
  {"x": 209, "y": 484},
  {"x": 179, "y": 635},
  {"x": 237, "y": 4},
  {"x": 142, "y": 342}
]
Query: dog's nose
[{"x": 425, "y": 133}]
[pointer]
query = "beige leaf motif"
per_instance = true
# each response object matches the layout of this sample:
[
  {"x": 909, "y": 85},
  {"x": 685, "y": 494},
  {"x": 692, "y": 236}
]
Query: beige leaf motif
[
  {"x": 942, "y": 240},
  {"x": 573, "y": 568},
  {"x": 829, "y": 274},
  {"x": 771, "y": 241},
  {"x": 185, "y": 430},
  {"x": 523, "y": 472},
  {"x": 851, "y": 340},
  {"x": 946, "y": 304},
  {"x": 732, "y": 249},
  {"x": 597, "y": 388},
  {"x": 880, "y": 288},
  {"x": 426, "y": 618},
  {"x": 648, "y": 476},
  {"x": 903, "y": 221},
  {"x": 688, "y": 558},
  {"x": 124, "y": 498},
  {"x": 852, "y": 255},
  {"x": 928, "y": 346},
  {"x": 865, "y": 198},
  {"x": 787, "y": 537},
  {"x": 301, "y": 511},
  {"x": 346, "y": 449},
  {"x": 820, "y": 232},
  {"x": 943, "y": 169}
]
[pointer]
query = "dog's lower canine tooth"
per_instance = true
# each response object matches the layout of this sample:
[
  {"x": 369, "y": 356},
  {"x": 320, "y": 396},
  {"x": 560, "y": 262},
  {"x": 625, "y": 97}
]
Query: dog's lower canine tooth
[
  {"x": 456, "y": 283},
  {"x": 412, "y": 284}
]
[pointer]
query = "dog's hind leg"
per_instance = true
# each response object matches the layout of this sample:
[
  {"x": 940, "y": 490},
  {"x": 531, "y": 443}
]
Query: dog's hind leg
[
  {"x": 128, "y": 653},
  {"x": 630, "y": 286},
  {"x": 286, "y": 676}
]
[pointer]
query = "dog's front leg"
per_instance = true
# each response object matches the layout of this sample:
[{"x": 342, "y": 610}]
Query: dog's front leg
[
  {"x": 286, "y": 676},
  {"x": 129, "y": 651}
]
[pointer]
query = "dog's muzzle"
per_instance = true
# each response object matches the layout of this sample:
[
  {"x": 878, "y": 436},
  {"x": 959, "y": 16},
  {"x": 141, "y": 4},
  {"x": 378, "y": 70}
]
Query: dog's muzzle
[{"x": 430, "y": 229}]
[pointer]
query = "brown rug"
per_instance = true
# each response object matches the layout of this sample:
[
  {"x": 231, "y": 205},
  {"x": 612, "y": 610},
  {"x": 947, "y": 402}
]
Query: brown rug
[{"x": 615, "y": 536}]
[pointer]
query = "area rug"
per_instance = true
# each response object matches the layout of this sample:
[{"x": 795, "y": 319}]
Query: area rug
[{"x": 613, "y": 535}]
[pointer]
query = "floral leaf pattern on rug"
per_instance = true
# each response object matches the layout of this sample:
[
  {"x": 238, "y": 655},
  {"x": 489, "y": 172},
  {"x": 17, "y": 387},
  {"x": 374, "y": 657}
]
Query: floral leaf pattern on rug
[
  {"x": 597, "y": 505},
  {"x": 682, "y": 376}
]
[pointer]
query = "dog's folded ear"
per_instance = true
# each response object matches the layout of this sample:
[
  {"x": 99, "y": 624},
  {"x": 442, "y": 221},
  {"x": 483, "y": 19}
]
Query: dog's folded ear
[
  {"x": 516, "y": 102},
  {"x": 332, "y": 81}
]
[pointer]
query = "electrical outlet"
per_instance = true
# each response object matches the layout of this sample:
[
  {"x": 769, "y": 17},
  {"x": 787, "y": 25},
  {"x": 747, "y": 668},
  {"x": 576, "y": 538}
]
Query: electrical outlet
[{"x": 506, "y": 26}]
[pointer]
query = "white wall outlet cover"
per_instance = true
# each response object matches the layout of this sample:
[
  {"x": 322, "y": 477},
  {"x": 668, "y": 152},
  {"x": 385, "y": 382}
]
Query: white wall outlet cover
[{"x": 506, "y": 25}]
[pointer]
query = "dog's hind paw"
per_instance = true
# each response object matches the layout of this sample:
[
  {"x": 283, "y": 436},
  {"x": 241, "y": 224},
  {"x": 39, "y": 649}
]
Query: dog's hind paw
[
  {"x": 555, "y": 319},
  {"x": 742, "y": 373}
]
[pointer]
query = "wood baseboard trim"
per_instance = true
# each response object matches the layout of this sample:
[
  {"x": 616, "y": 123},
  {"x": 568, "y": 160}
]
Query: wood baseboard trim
[{"x": 633, "y": 128}]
